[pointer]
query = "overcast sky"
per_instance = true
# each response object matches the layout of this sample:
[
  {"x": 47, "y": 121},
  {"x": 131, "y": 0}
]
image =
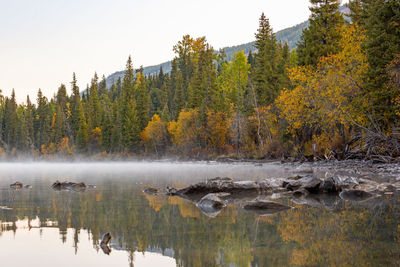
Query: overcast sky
[{"x": 42, "y": 42}]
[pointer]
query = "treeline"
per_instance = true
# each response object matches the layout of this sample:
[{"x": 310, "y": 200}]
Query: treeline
[{"x": 335, "y": 96}]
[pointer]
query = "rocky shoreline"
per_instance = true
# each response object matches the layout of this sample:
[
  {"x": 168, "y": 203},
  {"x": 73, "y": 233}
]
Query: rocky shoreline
[{"x": 314, "y": 185}]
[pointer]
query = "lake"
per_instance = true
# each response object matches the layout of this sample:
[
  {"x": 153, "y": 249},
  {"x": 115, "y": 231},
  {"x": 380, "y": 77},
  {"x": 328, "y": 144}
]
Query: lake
[{"x": 44, "y": 227}]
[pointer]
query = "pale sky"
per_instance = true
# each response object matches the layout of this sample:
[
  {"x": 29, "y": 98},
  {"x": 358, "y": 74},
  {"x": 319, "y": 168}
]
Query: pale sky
[{"x": 42, "y": 42}]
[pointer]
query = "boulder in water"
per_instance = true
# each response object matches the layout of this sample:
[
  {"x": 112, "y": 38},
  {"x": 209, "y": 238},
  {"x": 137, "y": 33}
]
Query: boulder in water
[
  {"x": 16, "y": 185},
  {"x": 212, "y": 204}
]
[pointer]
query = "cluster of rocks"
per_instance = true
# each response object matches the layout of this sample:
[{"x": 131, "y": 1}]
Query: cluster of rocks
[
  {"x": 70, "y": 186},
  {"x": 19, "y": 185},
  {"x": 212, "y": 195},
  {"x": 58, "y": 186}
]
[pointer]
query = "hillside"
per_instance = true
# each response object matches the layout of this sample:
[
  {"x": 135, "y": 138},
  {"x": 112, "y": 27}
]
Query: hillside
[{"x": 289, "y": 35}]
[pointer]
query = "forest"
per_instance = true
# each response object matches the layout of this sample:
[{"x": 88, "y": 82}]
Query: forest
[{"x": 336, "y": 96}]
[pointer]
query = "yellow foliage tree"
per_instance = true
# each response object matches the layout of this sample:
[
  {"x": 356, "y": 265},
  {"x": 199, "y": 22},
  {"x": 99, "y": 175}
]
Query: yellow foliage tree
[
  {"x": 217, "y": 130},
  {"x": 326, "y": 101},
  {"x": 155, "y": 135},
  {"x": 185, "y": 132}
]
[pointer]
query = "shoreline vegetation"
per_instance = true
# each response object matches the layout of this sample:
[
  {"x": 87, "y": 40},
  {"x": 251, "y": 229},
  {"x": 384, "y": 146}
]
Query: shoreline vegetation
[{"x": 335, "y": 97}]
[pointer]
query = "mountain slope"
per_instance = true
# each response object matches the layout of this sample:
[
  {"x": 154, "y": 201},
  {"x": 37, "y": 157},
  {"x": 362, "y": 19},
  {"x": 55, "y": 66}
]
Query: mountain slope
[{"x": 290, "y": 35}]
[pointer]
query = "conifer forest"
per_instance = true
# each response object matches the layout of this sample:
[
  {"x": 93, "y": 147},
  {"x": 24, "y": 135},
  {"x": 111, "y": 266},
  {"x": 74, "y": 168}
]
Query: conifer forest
[{"x": 335, "y": 96}]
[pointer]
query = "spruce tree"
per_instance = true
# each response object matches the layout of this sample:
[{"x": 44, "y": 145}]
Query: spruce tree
[
  {"x": 267, "y": 59},
  {"x": 75, "y": 106},
  {"x": 94, "y": 104},
  {"x": 129, "y": 123},
  {"x": 142, "y": 102},
  {"x": 381, "y": 21},
  {"x": 322, "y": 37}
]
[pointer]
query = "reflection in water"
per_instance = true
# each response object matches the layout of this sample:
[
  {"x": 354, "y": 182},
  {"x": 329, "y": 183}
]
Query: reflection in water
[{"x": 65, "y": 228}]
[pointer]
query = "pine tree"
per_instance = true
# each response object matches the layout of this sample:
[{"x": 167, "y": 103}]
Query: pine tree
[
  {"x": 29, "y": 111},
  {"x": 381, "y": 21},
  {"x": 142, "y": 102},
  {"x": 129, "y": 123},
  {"x": 42, "y": 121},
  {"x": 322, "y": 37},
  {"x": 82, "y": 134},
  {"x": 75, "y": 106},
  {"x": 94, "y": 115},
  {"x": 266, "y": 76},
  {"x": 179, "y": 97},
  {"x": 103, "y": 86},
  {"x": 10, "y": 122}
]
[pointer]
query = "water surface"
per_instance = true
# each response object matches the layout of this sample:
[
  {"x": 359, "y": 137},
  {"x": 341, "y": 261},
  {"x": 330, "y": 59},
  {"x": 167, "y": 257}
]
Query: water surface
[{"x": 42, "y": 227}]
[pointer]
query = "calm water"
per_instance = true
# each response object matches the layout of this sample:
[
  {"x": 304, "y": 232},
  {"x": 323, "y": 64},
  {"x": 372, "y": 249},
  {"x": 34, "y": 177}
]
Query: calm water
[{"x": 48, "y": 228}]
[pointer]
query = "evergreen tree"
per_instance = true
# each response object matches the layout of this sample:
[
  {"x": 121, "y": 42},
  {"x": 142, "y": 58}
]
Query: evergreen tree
[
  {"x": 75, "y": 106},
  {"x": 82, "y": 134},
  {"x": 10, "y": 122},
  {"x": 42, "y": 121},
  {"x": 129, "y": 123},
  {"x": 381, "y": 20},
  {"x": 266, "y": 76},
  {"x": 322, "y": 37},
  {"x": 29, "y": 111},
  {"x": 142, "y": 102},
  {"x": 94, "y": 115}
]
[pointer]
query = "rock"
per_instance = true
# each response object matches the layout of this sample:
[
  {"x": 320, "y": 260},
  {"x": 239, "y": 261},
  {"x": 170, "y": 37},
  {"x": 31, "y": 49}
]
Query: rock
[
  {"x": 329, "y": 185},
  {"x": 61, "y": 185},
  {"x": 291, "y": 185},
  {"x": 268, "y": 184},
  {"x": 386, "y": 187},
  {"x": 298, "y": 177},
  {"x": 91, "y": 186},
  {"x": 355, "y": 195},
  {"x": 79, "y": 187},
  {"x": 218, "y": 185},
  {"x": 150, "y": 191},
  {"x": 212, "y": 204},
  {"x": 367, "y": 185},
  {"x": 69, "y": 186},
  {"x": 310, "y": 183},
  {"x": 265, "y": 208},
  {"x": 16, "y": 185},
  {"x": 171, "y": 191},
  {"x": 104, "y": 243}
]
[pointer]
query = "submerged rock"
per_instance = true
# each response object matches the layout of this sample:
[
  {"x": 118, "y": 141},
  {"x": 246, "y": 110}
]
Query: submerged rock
[
  {"x": 265, "y": 208},
  {"x": 69, "y": 186},
  {"x": 150, "y": 191},
  {"x": 16, "y": 185},
  {"x": 212, "y": 204},
  {"x": 355, "y": 195}
]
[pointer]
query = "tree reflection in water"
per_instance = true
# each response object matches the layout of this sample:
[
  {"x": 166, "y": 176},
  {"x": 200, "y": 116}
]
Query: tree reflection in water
[{"x": 331, "y": 232}]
